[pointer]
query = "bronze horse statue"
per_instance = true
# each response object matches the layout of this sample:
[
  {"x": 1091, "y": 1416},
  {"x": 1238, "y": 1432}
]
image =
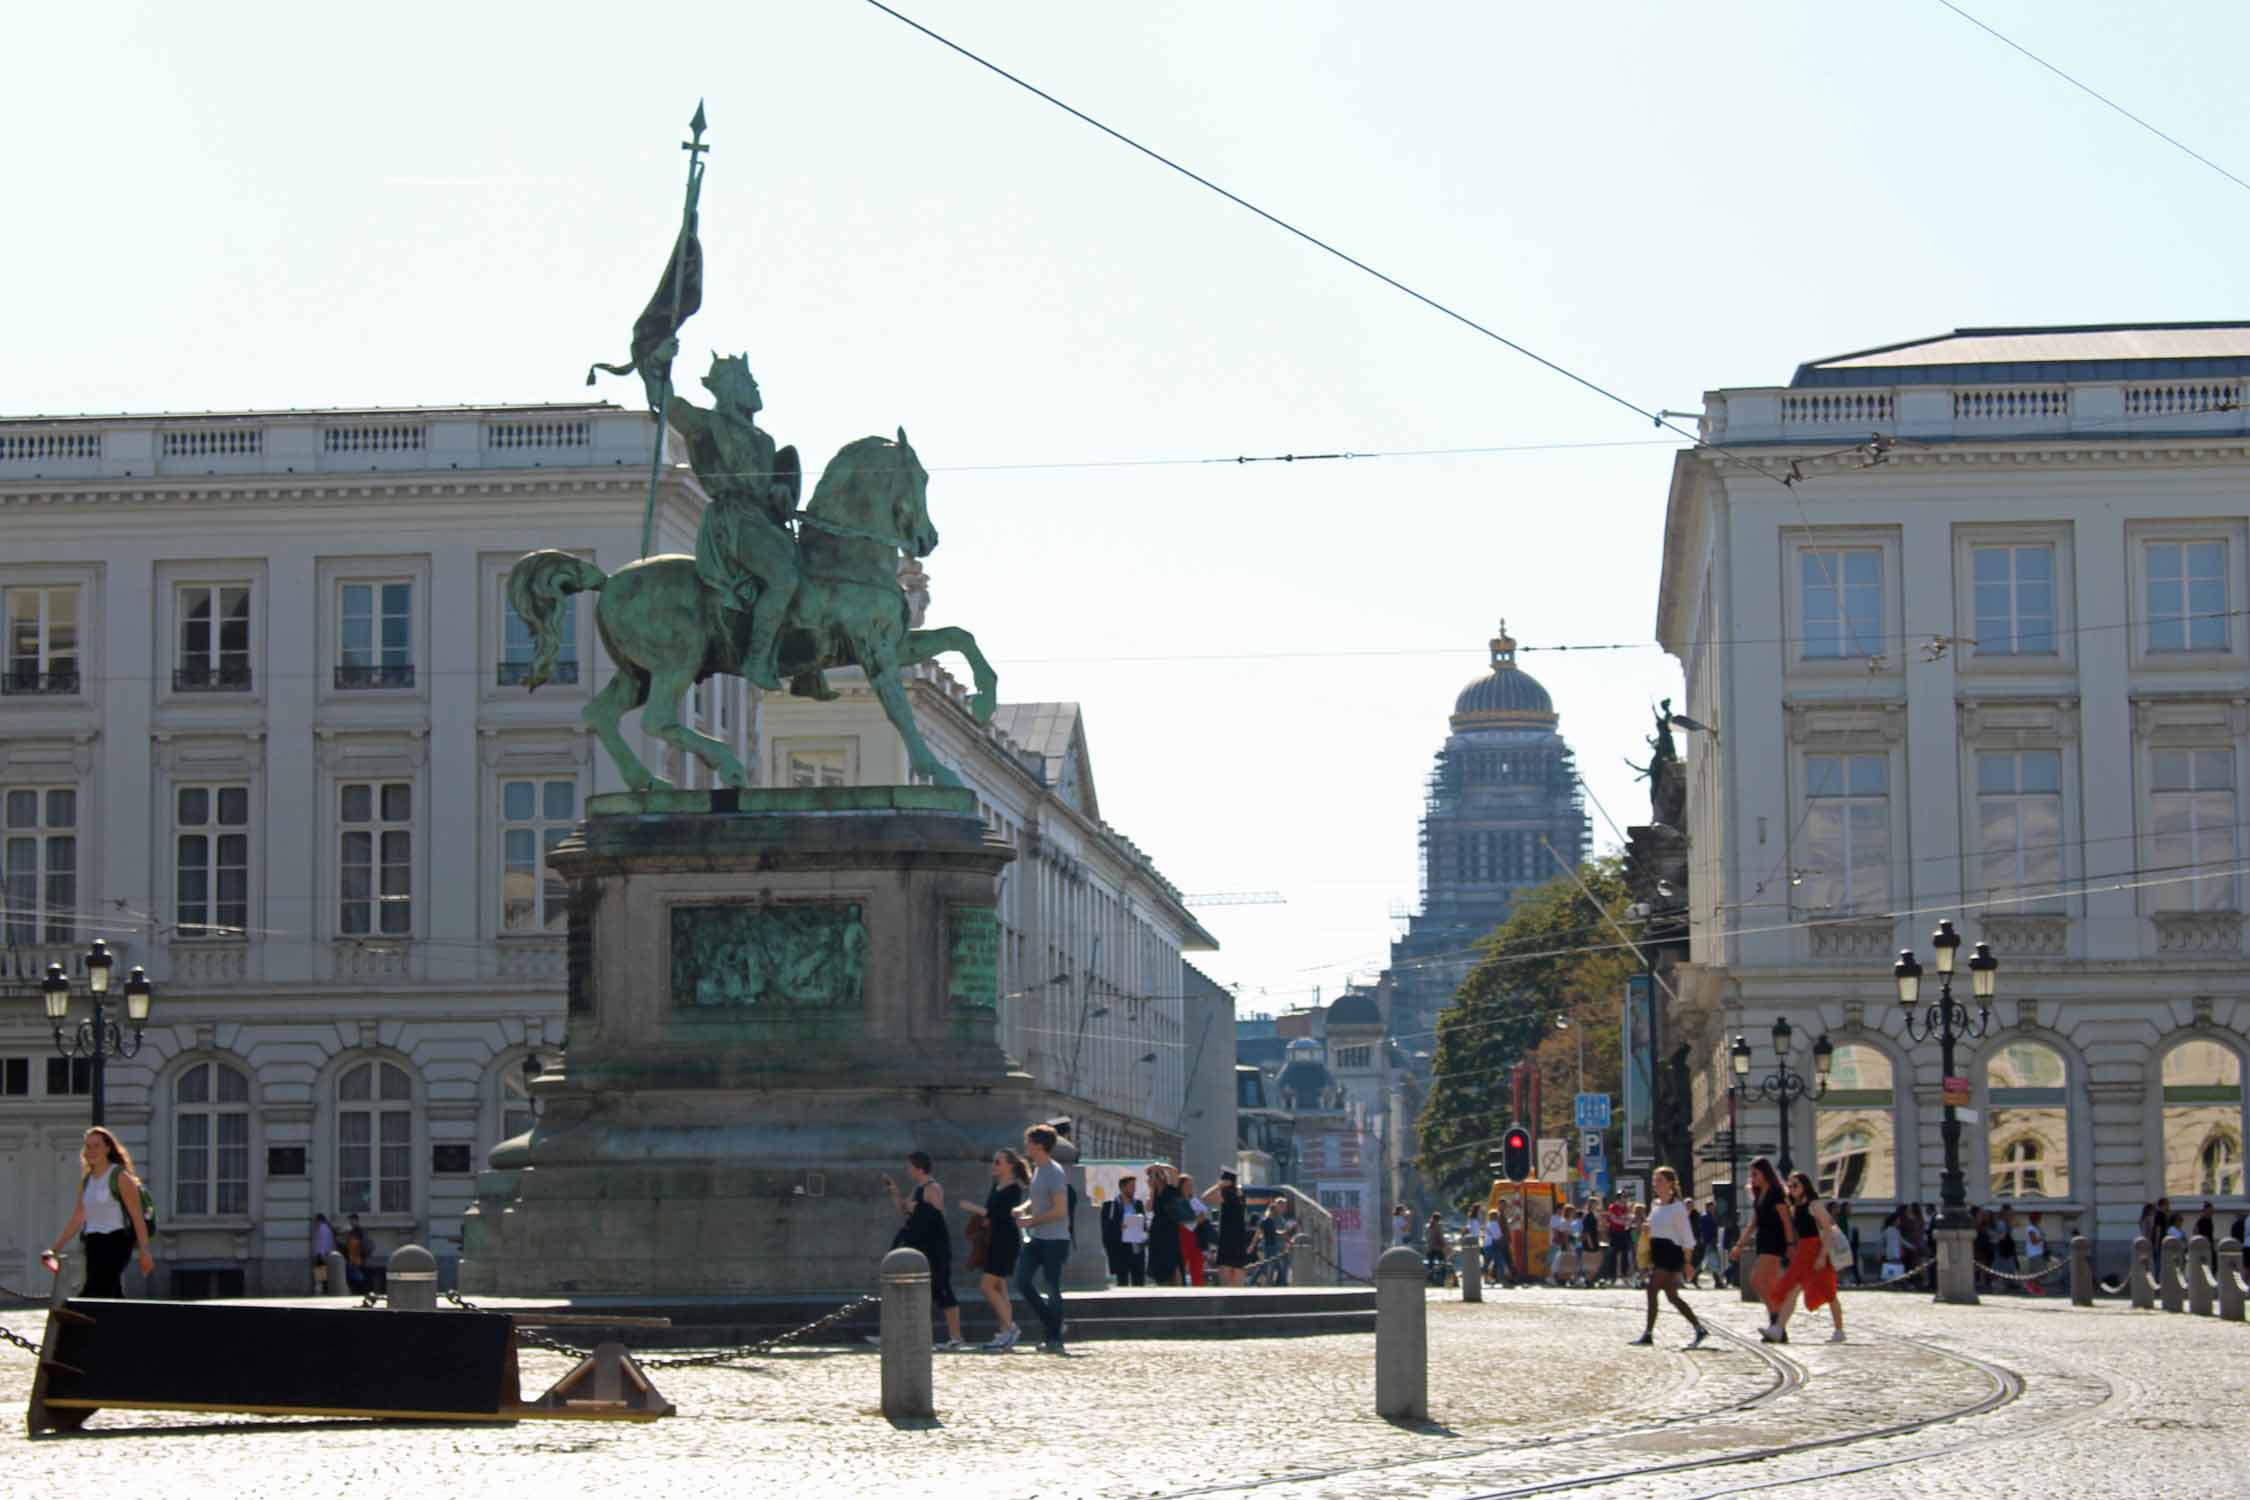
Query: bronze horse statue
[{"x": 667, "y": 630}]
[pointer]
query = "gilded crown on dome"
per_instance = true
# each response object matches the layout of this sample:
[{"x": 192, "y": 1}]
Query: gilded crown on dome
[{"x": 1507, "y": 697}]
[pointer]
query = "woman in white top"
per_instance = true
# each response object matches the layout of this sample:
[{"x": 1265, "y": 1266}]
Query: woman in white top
[
  {"x": 1671, "y": 1239},
  {"x": 109, "y": 1213},
  {"x": 1562, "y": 1230}
]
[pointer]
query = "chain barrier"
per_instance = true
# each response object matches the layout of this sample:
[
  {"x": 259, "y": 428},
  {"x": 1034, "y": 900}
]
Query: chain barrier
[
  {"x": 17, "y": 1339},
  {"x": 764, "y": 1346},
  {"x": 686, "y": 1361},
  {"x": 2029, "y": 1277},
  {"x": 1330, "y": 1261}
]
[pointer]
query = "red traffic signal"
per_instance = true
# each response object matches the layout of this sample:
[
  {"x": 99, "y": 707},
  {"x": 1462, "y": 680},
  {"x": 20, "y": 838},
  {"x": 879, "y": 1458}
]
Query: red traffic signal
[{"x": 1515, "y": 1154}]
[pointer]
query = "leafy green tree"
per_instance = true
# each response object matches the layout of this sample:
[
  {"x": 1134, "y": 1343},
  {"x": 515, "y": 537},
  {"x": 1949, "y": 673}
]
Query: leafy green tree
[{"x": 1555, "y": 957}]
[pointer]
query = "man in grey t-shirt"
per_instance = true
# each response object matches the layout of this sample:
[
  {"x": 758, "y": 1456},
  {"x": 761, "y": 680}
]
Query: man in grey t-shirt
[{"x": 1045, "y": 1216}]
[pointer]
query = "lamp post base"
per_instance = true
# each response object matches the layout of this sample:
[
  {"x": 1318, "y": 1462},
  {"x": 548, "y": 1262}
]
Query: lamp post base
[{"x": 1956, "y": 1266}]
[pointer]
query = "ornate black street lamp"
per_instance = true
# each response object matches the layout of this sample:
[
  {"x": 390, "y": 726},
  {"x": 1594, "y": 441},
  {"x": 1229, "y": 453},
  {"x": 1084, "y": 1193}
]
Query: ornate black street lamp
[
  {"x": 98, "y": 1039},
  {"x": 1784, "y": 1086},
  {"x": 1949, "y": 1022}
]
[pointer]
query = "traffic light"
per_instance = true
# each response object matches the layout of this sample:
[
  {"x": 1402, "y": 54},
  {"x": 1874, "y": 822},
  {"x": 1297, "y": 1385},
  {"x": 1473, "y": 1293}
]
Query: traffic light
[{"x": 1515, "y": 1154}]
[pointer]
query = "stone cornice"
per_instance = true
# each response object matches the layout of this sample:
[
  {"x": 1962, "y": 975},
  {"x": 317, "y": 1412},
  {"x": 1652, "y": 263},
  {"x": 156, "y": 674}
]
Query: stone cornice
[
  {"x": 1817, "y": 458},
  {"x": 328, "y": 489}
]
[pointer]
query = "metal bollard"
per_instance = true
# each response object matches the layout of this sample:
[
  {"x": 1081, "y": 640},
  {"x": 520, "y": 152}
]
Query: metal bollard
[
  {"x": 908, "y": 1386},
  {"x": 2081, "y": 1271},
  {"x": 412, "y": 1280},
  {"x": 2199, "y": 1276},
  {"x": 2230, "y": 1279},
  {"x": 1472, "y": 1273},
  {"x": 2137, "y": 1279},
  {"x": 2171, "y": 1288},
  {"x": 1402, "y": 1337}
]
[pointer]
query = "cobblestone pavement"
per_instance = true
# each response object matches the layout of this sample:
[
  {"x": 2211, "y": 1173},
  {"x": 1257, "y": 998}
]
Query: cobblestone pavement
[{"x": 1531, "y": 1392}]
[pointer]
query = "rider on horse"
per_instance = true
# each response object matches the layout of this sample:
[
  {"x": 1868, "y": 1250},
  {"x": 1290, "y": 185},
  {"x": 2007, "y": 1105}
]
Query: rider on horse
[{"x": 745, "y": 551}]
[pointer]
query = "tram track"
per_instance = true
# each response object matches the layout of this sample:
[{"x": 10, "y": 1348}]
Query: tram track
[
  {"x": 1788, "y": 1377},
  {"x": 2004, "y": 1386}
]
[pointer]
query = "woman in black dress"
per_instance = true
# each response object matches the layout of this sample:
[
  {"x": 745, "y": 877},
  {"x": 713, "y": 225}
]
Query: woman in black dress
[
  {"x": 1010, "y": 1175},
  {"x": 1165, "y": 1205},
  {"x": 925, "y": 1230},
  {"x": 1769, "y": 1242},
  {"x": 1234, "y": 1231}
]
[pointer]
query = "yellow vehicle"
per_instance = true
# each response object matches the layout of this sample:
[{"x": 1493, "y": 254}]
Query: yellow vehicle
[{"x": 1525, "y": 1208}]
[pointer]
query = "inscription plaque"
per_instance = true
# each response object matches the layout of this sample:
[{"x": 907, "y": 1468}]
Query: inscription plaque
[
  {"x": 793, "y": 956},
  {"x": 972, "y": 956}
]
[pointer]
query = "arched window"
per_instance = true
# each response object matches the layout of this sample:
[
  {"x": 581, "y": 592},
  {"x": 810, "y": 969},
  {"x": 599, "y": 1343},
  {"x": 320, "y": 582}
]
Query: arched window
[
  {"x": 1856, "y": 1125},
  {"x": 210, "y": 1141},
  {"x": 2017, "y": 1169},
  {"x": 2027, "y": 1086},
  {"x": 2202, "y": 1118},
  {"x": 375, "y": 1139}
]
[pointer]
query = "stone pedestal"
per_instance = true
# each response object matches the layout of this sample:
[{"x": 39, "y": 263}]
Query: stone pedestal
[
  {"x": 773, "y": 997},
  {"x": 1956, "y": 1265}
]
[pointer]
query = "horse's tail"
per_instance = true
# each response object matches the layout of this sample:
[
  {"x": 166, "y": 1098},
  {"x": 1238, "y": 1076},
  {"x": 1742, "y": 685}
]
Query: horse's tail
[{"x": 539, "y": 589}]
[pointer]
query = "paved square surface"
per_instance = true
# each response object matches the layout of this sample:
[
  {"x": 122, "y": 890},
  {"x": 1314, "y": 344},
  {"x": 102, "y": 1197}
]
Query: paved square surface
[{"x": 1530, "y": 1392}]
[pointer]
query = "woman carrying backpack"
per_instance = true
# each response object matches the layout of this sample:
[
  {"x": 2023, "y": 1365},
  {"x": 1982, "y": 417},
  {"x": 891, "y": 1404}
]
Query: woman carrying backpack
[{"x": 107, "y": 1216}]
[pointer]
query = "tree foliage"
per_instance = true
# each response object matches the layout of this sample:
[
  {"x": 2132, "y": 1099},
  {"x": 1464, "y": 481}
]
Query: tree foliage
[{"x": 1531, "y": 970}]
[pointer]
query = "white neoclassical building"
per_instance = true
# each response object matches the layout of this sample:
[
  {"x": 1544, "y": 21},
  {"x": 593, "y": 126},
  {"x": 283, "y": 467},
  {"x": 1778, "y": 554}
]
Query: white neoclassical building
[
  {"x": 1965, "y": 625},
  {"x": 263, "y": 730}
]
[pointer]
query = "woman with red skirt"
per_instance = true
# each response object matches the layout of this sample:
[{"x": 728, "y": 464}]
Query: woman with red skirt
[
  {"x": 1810, "y": 1274},
  {"x": 1191, "y": 1245}
]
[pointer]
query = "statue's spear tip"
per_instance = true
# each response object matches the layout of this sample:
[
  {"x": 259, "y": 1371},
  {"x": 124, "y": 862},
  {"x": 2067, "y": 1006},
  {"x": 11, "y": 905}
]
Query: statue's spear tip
[{"x": 697, "y": 124}]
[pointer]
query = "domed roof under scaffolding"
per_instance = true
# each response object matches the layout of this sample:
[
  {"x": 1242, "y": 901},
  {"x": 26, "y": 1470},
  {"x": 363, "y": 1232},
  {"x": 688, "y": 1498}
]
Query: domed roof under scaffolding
[{"x": 1507, "y": 697}]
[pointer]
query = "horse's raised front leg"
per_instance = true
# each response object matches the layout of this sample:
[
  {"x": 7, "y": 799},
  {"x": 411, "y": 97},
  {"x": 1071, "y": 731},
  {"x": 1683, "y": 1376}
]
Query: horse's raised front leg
[
  {"x": 882, "y": 675},
  {"x": 622, "y": 694},
  {"x": 927, "y": 645},
  {"x": 662, "y": 719}
]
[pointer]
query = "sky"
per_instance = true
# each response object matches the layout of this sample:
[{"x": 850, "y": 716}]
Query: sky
[{"x": 268, "y": 206}]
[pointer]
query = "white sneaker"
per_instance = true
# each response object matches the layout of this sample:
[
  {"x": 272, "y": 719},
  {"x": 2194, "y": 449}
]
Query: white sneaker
[
  {"x": 1770, "y": 1334},
  {"x": 1837, "y": 1337},
  {"x": 1006, "y": 1337},
  {"x": 951, "y": 1346}
]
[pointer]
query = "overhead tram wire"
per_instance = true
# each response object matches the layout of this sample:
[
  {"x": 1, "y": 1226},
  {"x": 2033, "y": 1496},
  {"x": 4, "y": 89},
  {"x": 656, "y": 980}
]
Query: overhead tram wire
[
  {"x": 2096, "y": 94},
  {"x": 1655, "y": 418}
]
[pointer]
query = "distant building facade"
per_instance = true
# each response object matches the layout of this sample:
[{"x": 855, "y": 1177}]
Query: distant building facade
[
  {"x": 1983, "y": 656},
  {"x": 1503, "y": 812}
]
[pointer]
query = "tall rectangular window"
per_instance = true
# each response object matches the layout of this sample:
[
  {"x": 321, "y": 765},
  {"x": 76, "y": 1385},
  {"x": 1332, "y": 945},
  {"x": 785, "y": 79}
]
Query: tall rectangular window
[
  {"x": 1847, "y": 865},
  {"x": 211, "y": 1141},
  {"x": 516, "y": 649},
  {"x": 42, "y": 640},
  {"x": 375, "y": 635},
  {"x": 2187, "y": 596},
  {"x": 375, "y": 858},
  {"x": 1843, "y": 601},
  {"x": 39, "y": 864},
  {"x": 2014, "y": 595},
  {"x": 214, "y": 638},
  {"x": 2191, "y": 815},
  {"x": 375, "y": 1139},
  {"x": 535, "y": 815},
  {"x": 2019, "y": 807},
  {"x": 211, "y": 877}
]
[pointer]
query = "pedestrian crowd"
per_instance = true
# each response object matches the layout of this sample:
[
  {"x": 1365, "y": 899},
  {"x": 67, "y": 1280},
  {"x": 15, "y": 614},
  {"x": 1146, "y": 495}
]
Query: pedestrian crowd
[{"x": 1157, "y": 1229}]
